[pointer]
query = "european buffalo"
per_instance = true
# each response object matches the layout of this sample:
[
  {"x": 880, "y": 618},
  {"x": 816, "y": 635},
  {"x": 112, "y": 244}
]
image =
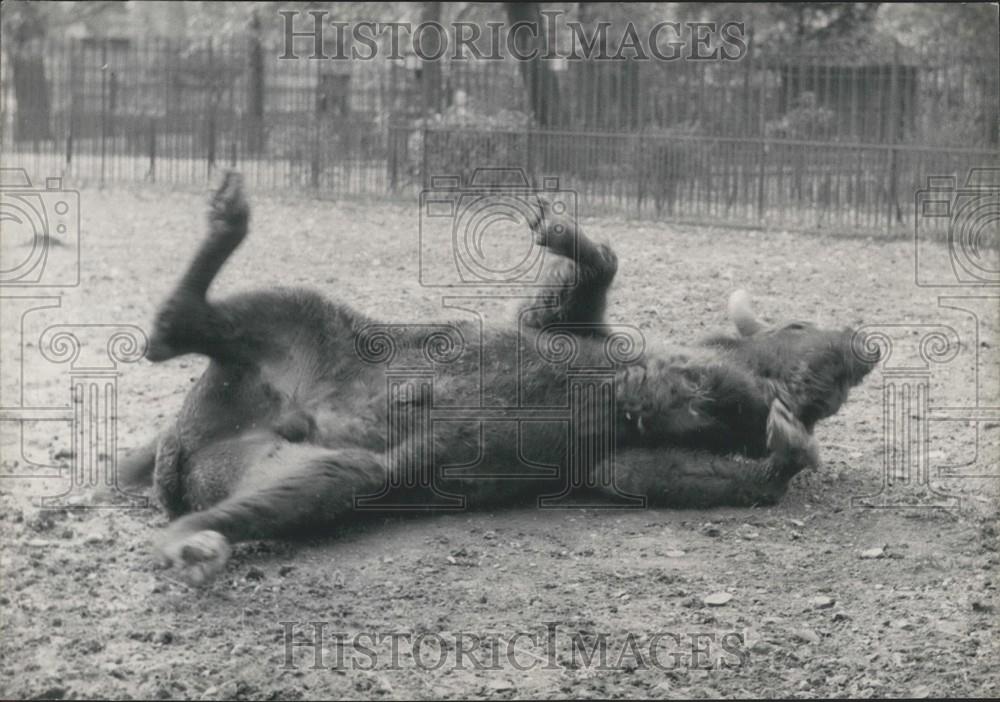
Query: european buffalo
[{"x": 296, "y": 425}]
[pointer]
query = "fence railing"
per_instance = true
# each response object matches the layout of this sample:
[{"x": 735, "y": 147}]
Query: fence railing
[
  {"x": 175, "y": 112},
  {"x": 893, "y": 95}
]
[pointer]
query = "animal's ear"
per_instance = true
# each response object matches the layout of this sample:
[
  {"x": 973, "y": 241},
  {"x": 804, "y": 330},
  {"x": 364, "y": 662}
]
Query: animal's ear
[{"x": 741, "y": 313}]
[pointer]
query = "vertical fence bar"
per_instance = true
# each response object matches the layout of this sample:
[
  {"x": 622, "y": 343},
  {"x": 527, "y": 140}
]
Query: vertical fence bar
[
  {"x": 762, "y": 168},
  {"x": 104, "y": 104},
  {"x": 893, "y": 213}
]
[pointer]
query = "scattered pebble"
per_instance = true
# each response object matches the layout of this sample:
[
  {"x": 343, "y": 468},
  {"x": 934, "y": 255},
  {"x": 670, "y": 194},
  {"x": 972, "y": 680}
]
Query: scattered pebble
[
  {"x": 717, "y": 599},
  {"x": 874, "y": 552},
  {"x": 806, "y": 636},
  {"x": 822, "y": 602},
  {"x": 500, "y": 685},
  {"x": 163, "y": 637}
]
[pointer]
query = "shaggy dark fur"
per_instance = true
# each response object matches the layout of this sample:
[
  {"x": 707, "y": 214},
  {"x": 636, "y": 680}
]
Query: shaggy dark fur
[{"x": 293, "y": 427}]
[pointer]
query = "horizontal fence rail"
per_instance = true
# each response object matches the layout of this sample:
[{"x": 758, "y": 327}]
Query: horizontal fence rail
[{"x": 772, "y": 140}]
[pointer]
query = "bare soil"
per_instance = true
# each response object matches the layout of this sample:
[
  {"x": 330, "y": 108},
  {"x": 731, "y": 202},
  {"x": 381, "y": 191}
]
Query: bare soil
[{"x": 830, "y": 599}]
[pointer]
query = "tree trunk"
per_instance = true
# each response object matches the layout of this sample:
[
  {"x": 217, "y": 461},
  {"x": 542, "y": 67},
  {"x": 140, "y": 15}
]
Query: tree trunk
[
  {"x": 255, "y": 93},
  {"x": 540, "y": 81},
  {"x": 31, "y": 90},
  {"x": 430, "y": 72}
]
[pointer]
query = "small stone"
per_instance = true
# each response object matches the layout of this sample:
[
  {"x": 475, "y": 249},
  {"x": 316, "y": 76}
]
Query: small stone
[
  {"x": 163, "y": 637},
  {"x": 822, "y": 602},
  {"x": 255, "y": 573},
  {"x": 285, "y": 570},
  {"x": 873, "y": 552},
  {"x": 717, "y": 599},
  {"x": 500, "y": 685},
  {"x": 675, "y": 554},
  {"x": 229, "y": 689},
  {"x": 806, "y": 636}
]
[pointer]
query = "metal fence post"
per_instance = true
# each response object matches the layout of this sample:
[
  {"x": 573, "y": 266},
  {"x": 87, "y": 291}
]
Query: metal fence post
[
  {"x": 762, "y": 167},
  {"x": 210, "y": 164},
  {"x": 152, "y": 149},
  {"x": 894, "y": 213},
  {"x": 104, "y": 105},
  {"x": 70, "y": 128}
]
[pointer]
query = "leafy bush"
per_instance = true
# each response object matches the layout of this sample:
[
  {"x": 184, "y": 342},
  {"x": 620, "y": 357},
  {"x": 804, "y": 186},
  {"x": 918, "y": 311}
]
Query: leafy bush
[
  {"x": 805, "y": 120},
  {"x": 464, "y": 138}
]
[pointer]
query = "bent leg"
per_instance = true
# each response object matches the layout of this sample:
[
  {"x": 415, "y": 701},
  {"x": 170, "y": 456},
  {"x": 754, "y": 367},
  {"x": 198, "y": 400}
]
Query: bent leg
[
  {"x": 691, "y": 478},
  {"x": 694, "y": 403},
  {"x": 186, "y": 322},
  {"x": 578, "y": 274},
  {"x": 296, "y": 487}
]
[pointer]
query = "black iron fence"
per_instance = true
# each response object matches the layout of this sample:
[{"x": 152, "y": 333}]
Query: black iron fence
[{"x": 796, "y": 141}]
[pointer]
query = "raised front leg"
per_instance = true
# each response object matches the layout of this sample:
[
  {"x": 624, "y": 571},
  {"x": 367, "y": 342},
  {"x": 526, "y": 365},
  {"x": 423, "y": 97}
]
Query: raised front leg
[
  {"x": 186, "y": 322},
  {"x": 578, "y": 273}
]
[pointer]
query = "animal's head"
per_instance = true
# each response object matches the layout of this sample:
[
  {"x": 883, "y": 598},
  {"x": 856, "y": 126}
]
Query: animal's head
[{"x": 812, "y": 369}]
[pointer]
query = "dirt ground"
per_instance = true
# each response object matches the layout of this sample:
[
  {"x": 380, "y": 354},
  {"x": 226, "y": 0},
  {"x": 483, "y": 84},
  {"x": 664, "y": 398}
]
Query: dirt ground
[{"x": 816, "y": 597}]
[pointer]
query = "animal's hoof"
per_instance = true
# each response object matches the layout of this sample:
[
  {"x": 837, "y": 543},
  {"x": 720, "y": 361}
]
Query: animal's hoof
[
  {"x": 552, "y": 230},
  {"x": 197, "y": 558},
  {"x": 788, "y": 441},
  {"x": 228, "y": 208},
  {"x": 537, "y": 216}
]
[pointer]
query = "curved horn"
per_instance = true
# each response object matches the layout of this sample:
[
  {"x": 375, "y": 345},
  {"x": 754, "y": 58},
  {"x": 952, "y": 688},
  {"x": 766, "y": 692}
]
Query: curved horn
[{"x": 742, "y": 314}]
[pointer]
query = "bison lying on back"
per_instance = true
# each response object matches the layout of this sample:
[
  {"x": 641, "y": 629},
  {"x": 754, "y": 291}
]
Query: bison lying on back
[{"x": 290, "y": 428}]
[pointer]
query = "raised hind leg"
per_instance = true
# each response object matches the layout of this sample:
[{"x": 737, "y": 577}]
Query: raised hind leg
[
  {"x": 692, "y": 478},
  {"x": 578, "y": 274},
  {"x": 186, "y": 322},
  {"x": 292, "y": 488}
]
